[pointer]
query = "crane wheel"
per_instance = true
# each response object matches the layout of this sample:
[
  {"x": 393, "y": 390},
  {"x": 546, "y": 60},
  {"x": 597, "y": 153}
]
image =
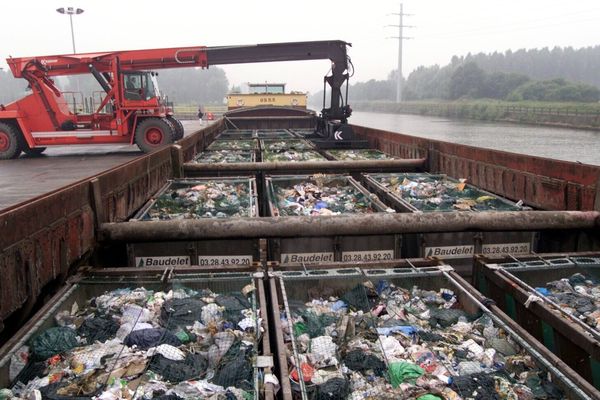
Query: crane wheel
[
  {"x": 10, "y": 141},
  {"x": 153, "y": 133},
  {"x": 178, "y": 127}
]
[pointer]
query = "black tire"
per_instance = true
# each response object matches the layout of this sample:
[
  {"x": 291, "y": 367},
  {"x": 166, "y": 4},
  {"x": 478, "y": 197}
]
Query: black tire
[
  {"x": 172, "y": 125},
  {"x": 36, "y": 151},
  {"x": 153, "y": 133},
  {"x": 179, "y": 131},
  {"x": 11, "y": 141}
]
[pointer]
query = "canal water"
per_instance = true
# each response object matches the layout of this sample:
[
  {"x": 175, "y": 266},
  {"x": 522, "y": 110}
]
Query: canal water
[{"x": 560, "y": 143}]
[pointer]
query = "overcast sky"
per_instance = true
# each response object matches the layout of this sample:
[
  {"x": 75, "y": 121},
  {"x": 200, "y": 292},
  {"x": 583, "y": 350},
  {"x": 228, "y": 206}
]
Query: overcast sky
[{"x": 442, "y": 28}]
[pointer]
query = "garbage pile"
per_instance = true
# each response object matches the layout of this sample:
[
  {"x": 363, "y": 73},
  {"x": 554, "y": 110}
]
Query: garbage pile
[
  {"x": 205, "y": 199},
  {"x": 278, "y": 146},
  {"x": 232, "y": 144},
  {"x": 385, "y": 342},
  {"x": 318, "y": 195},
  {"x": 140, "y": 344},
  {"x": 578, "y": 295},
  {"x": 359, "y": 154},
  {"x": 224, "y": 156},
  {"x": 439, "y": 193},
  {"x": 292, "y": 155}
]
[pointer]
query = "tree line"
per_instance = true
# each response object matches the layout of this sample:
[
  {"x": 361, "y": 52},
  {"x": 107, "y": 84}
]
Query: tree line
[
  {"x": 463, "y": 79},
  {"x": 560, "y": 74}
]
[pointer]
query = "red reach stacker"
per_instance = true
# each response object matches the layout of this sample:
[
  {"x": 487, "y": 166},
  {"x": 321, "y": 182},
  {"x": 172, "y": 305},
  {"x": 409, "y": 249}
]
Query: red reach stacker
[{"x": 132, "y": 109}]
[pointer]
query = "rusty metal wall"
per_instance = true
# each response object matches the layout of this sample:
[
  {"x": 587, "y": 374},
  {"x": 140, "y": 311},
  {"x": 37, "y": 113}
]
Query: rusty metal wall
[
  {"x": 573, "y": 343},
  {"x": 265, "y": 117},
  {"x": 39, "y": 241},
  {"x": 194, "y": 144},
  {"x": 42, "y": 239},
  {"x": 540, "y": 182}
]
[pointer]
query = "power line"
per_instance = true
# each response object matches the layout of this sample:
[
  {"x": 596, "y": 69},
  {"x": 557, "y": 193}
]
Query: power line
[{"x": 401, "y": 38}]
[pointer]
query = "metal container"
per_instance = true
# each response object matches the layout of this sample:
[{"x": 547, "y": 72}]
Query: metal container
[
  {"x": 359, "y": 154},
  {"x": 225, "y": 156},
  {"x": 274, "y": 134},
  {"x": 518, "y": 287},
  {"x": 291, "y": 155},
  {"x": 424, "y": 192},
  {"x": 209, "y": 253},
  {"x": 98, "y": 282},
  {"x": 357, "y": 199},
  {"x": 290, "y": 290},
  {"x": 277, "y": 145},
  {"x": 233, "y": 144},
  {"x": 229, "y": 134},
  {"x": 428, "y": 193}
]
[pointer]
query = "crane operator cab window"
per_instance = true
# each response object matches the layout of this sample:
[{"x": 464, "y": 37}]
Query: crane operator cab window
[{"x": 140, "y": 86}]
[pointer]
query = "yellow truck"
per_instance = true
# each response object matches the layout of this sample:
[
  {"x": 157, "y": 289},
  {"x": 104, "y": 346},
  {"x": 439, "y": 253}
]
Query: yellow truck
[{"x": 266, "y": 94}]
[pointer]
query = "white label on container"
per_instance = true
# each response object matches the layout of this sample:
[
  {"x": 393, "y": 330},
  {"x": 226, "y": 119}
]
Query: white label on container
[
  {"x": 506, "y": 248},
  {"x": 165, "y": 261},
  {"x": 224, "y": 260},
  {"x": 371, "y": 255},
  {"x": 459, "y": 251},
  {"x": 306, "y": 258}
]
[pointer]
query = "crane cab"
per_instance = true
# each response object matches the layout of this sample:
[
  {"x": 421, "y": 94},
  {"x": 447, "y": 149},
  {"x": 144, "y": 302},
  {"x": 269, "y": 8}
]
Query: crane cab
[{"x": 141, "y": 86}]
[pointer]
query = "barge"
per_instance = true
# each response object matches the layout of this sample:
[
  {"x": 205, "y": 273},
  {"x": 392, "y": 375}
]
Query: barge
[{"x": 103, "y": 230}]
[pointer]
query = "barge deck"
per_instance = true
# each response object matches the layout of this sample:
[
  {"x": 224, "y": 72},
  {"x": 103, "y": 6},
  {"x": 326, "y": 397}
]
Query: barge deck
[{"x": 51, "y": 240}]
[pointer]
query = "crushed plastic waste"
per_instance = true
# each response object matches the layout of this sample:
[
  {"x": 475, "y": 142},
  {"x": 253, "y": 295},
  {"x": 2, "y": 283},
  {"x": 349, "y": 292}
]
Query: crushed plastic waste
[
  {"x": 53, "y": 341},
  {"x": 293, "y": 150},
  {"x": 359, "y": 154},
  {"x": 404, "y": 343},
  {"x": 98, "y": 329},
  {"x": 224, "y": 156},
  {"x": 204, "y": 199},
  {"x": 429, "y": 193},
  {"x": 578, "y": 295},
  {"x": 292, "y": 155},
  {"x": 232, "y": 144},
  {"x": 146, "y": 338},
  {"x": 191, "y": 350},
  {"x": 318, "y": 195},
  {"x": 277, "y": 146}
]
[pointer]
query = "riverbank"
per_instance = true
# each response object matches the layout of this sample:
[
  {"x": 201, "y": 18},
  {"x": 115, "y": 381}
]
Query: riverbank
[{"x": 567, "y": 115}]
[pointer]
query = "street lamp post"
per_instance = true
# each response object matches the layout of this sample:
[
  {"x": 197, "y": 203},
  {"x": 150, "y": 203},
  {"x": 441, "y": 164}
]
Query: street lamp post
[{"x": 70, "y": 11}]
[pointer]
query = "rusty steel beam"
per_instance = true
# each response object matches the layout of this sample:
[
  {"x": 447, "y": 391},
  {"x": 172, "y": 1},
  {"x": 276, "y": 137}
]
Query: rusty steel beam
[
  {"x": 295, "y": 167},
  {"x": 367, "y": 224}
]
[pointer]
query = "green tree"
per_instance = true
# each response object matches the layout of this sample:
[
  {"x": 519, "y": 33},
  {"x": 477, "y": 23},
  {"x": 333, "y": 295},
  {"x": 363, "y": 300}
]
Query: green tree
[
  {"x": 466, "y": 81},
  {"x": 498, "y": 85},
  {"x": 555, "y": 90}
]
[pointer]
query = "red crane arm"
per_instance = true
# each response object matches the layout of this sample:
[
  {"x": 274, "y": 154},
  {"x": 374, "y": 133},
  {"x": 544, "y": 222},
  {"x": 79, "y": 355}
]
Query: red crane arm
[
  {"x": 73, "y": 64},
  {"x": 32, "y": 68}
]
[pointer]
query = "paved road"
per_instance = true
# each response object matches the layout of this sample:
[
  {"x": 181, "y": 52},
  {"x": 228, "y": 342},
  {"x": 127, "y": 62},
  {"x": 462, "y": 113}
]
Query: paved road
[{"x": 26, "y": 178}]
